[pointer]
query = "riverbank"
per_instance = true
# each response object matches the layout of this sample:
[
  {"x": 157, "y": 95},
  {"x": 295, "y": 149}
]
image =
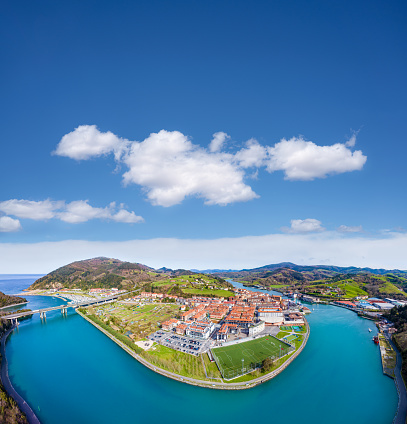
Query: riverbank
[
  {"x": 202, "y": 383},
  {"x": 15, "y": 304},
  {"x": 5, "y": 380}
]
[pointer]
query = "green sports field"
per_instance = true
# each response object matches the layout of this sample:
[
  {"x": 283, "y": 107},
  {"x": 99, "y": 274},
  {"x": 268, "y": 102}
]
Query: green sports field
[{"x": 253, "y": 353}]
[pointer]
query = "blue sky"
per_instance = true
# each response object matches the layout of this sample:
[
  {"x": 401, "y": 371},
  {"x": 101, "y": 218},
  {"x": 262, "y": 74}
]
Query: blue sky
[{"x": 119, "y": 102}]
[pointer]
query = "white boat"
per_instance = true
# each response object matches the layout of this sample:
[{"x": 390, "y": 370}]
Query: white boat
[{"x": 370, "y": 330}]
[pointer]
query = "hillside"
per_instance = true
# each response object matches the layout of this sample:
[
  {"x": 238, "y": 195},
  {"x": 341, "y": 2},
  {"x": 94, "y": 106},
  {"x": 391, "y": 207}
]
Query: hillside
[
  {"x": 109, "y": 273},
  {"x": 6, "y": 300},
  {"x": 98, "y": 272},
  {"x": 325, "y": 281}
]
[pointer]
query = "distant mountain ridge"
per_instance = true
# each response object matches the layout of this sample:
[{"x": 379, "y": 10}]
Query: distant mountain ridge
[
  {"x": 324, "y": 280},
  {"x": 113, "y": 273},
  {"x": 305, "y": 268}
]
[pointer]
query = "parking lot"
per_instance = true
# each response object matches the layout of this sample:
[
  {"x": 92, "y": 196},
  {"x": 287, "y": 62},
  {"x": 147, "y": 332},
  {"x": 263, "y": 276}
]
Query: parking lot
[{"x": 185, "y": 344}]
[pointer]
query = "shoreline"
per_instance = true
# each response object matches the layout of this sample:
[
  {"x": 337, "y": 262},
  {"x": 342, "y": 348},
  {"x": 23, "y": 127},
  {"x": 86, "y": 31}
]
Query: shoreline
[
  {"x": 8, "y": 387},
  {"x": 202, "y": 383},
  {"x": 15, "y": 304}
]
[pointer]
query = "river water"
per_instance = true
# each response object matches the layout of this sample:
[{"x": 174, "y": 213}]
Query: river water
[{"x": 69, "y": 372}]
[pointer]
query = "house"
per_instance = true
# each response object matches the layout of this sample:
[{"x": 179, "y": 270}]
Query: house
[
  {"x": 170, "y": 324},
  {"x": 180, "y": 329}
]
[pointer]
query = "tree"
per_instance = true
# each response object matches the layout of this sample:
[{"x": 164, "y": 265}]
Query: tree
[{"x": 267, "y": 364}]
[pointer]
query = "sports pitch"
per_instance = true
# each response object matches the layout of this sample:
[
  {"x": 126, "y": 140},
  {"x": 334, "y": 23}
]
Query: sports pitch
[{"x": 253, "y": 353}]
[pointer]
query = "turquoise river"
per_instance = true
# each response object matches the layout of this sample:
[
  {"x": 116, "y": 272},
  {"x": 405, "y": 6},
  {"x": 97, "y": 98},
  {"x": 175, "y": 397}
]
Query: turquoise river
[{"x": 69, "y": 372}]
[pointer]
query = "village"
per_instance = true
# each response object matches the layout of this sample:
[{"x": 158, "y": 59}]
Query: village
[{"x": 204, "y": 322}]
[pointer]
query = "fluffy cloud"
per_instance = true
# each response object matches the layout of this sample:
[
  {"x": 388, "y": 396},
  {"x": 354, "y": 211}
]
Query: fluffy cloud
[
  {"x": 324, "y": 248},
  {"x": 87, "y": 141},
  {"x": 8, "y": 225},
  {"x": 308, "y": 225},
  {"x": 30, "y": 209},
  {"x": 253, "y": 155},
  {"x": 304, "y": 160},
  {"x": 169, "y": 167},
  {"x": 218, "y": 141},
  {"x": 347, "y": 229},
  {"x": 73, "y": 212}
]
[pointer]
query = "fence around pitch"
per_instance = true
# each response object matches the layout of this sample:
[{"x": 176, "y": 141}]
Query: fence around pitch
[{"x": 230, "y": 374}]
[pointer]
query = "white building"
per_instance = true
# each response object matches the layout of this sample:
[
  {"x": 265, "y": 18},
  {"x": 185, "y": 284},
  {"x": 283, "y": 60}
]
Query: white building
[{"x": 257, "y": 328}]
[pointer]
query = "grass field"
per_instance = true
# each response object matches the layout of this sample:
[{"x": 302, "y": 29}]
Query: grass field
[
  {"x": 241, "y": 358},
  {"x": 139, "y": 320},
  {"x": 203, "y": 292}
]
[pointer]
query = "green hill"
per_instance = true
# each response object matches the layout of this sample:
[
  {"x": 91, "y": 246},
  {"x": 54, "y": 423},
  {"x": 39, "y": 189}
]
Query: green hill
[
  {"x": 98, "y": 272},
  {"x": 325, "y": 281},
  {"x": 109, "y": 273}
]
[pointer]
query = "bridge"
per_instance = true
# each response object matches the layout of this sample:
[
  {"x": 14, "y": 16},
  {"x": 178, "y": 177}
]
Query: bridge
[{"x": 64, "y": 308}]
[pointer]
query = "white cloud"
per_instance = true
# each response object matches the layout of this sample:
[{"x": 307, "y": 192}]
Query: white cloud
[
  {"x": 304, "y": 160},
  {"x": 330, "y": 248},
  {"x": 169, "y": 167},
  {"x": 350, "y": 229},
  {"x": 87, "y": 141},
  {"x": 29, "y": 209},
  {"x": 127, "y": 217},
  {"x": 218, "y": 141},
  {"x": 73, "y": 212},
  {"x": 308, "y": 225},
  {"x": 252, "y": 156},
  {"x": 8, "y": 225}
]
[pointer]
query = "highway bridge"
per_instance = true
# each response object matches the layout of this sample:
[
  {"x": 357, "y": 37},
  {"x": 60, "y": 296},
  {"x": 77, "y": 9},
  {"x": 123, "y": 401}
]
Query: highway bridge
[{"x": 63, "y": 308}]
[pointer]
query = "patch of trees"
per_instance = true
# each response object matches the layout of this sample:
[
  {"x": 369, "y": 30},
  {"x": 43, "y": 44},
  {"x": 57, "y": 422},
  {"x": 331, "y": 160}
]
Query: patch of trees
[
  {"x": 398, "y": 316},
  {"x": 6, "y": 300},
  {"x": 267, "y": 364}
]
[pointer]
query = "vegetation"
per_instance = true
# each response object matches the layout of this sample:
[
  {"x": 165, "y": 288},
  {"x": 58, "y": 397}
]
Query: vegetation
[
  {"x": 113, "y": 332},
  {"x": 267, "y": 365},
  {"x": 137, "y": 320},
  {"x": 175, "y": 361},
  {"x": 113, "y": 273},
  {"x": 398, "y": 316},
  {"x": 7, "y": 300},
  {"x": 328, "y": 282}
]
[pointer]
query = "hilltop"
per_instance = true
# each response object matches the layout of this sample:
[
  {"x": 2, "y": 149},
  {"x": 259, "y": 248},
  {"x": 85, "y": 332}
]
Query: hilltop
[{"x": 98, "y": 272}]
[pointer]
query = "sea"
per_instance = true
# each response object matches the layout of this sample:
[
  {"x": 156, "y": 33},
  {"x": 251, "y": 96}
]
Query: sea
[{"x": 69, "y": 372}]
